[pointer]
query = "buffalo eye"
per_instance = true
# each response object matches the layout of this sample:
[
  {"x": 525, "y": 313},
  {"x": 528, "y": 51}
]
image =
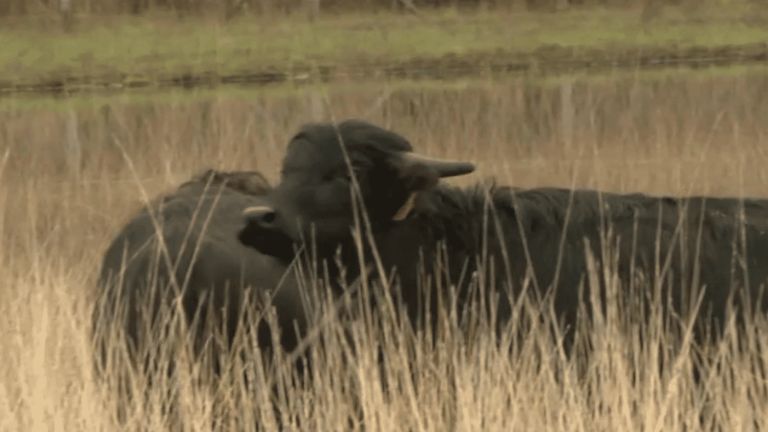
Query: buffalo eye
[
  {"x": 341, "y": 173},
  {"x": 356, "y": 171},
  {"x": 328, "y": 177}
]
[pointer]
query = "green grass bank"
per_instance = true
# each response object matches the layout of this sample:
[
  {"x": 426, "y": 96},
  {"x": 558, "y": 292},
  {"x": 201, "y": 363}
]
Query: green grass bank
[{"x": 122, "y": 51}]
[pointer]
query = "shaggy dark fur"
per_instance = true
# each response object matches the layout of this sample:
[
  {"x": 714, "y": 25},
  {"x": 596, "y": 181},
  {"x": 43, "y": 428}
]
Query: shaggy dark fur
[{"x": 198, "y": 261}]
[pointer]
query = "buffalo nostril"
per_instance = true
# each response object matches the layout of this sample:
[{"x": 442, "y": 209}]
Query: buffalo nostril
[{"x": 261, "y": 215}]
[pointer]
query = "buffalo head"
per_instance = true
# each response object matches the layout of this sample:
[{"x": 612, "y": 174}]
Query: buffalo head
[{"x": 315, "y": 196}]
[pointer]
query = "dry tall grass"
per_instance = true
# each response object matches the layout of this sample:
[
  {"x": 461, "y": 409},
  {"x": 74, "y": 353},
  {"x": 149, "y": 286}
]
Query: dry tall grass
[{"x": 60, "y": 208}]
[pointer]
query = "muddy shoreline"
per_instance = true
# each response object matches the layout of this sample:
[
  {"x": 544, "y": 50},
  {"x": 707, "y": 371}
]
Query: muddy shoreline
[{"x": 548, "y": 60}]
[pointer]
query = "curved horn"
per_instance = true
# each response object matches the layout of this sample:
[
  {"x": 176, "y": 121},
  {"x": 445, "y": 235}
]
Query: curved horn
[{"x": 444, "y": 167}]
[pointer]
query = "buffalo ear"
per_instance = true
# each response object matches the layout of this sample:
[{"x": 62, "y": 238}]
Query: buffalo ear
[
  {"x": 414, "y": 179},
  {"x": 402, "y": 213},
  {"x": 418, "y": 177},
  {"x": 419, "y": 173}
]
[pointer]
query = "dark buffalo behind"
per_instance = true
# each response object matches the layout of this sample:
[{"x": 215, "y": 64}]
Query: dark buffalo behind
[
  {"x": 673, "y": 244},
  {"x": 201, "y": 264}
]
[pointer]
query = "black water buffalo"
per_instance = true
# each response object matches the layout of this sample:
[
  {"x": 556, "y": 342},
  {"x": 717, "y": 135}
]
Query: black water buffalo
[
  {"x": 718, "y": 243},
  {"x": 198, "y": 261}
]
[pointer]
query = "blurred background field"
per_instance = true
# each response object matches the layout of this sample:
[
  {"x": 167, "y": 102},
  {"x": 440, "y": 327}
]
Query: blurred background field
[
  {"x": 66, "y": 189},
  {"x": 192, "y": 43}
]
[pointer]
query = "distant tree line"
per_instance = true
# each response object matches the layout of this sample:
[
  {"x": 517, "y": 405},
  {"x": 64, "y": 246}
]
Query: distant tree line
[{"x": 235, "y": 7}]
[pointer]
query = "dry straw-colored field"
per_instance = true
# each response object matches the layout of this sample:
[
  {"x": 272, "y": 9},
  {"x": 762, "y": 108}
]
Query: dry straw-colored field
[{"x": 66, "y": 188}]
